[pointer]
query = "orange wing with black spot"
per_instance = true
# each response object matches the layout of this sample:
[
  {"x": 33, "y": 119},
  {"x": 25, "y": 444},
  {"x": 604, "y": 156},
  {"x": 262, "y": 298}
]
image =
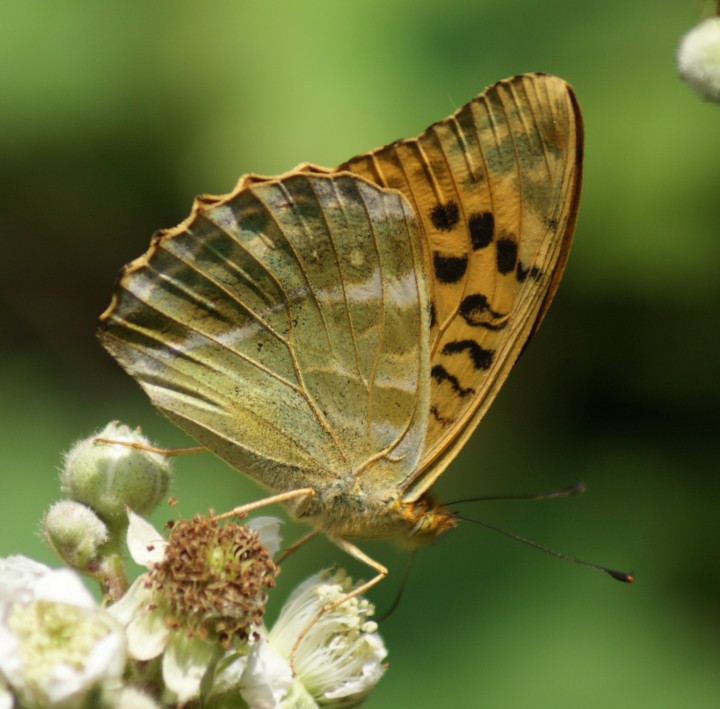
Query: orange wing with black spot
[{"x": 496, "y": 189}]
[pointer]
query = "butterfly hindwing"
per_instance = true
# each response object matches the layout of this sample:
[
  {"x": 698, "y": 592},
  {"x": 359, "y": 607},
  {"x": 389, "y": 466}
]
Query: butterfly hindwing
[{"x": 284, "y": 327}]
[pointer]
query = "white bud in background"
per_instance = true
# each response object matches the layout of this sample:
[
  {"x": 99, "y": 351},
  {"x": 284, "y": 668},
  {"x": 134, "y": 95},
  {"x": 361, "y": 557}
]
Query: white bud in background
[{"x": 698, "y": 59}]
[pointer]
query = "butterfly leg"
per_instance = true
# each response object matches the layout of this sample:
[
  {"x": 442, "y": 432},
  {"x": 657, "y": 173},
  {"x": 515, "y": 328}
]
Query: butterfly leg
[
  {"x": 361, "y": 556},
  {"x": 294, "y": 547},
  {"x": 167, "y": 452},
  {"x": 307, "y": 492}
]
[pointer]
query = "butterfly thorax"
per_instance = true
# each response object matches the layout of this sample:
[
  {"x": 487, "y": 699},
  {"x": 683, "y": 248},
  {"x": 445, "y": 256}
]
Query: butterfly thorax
[{"x": 342, "y": 511}]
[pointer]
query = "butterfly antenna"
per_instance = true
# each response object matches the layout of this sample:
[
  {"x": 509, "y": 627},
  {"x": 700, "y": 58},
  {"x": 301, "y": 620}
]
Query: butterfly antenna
[
  {"x": 617, "y": 575},
  {"x": 577, "y": 488},
  {"x": 399, "y": 594}
]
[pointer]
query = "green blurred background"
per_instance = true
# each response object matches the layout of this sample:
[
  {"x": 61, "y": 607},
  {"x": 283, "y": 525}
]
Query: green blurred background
[{"x": 114, "y": 115}]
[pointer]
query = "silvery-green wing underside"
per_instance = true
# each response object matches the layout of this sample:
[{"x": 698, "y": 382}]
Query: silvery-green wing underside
[{"x": 285, "y": 327}]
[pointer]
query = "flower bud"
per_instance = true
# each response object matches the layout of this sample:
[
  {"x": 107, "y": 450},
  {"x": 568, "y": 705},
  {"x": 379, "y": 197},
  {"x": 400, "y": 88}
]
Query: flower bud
[
  {"x": 108, "y": 477},
  {"x": 76, "y": 534}
]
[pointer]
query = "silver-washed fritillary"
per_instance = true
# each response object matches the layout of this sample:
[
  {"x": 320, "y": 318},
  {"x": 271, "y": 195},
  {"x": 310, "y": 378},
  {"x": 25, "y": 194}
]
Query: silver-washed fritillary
[{"x": 337, "y": 335}]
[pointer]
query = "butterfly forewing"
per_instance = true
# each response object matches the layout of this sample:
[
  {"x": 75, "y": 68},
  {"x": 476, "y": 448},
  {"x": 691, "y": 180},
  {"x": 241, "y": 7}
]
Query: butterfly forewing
[
  {"x": 495, "y": 187},
  {"x": 285, "y": 328}
]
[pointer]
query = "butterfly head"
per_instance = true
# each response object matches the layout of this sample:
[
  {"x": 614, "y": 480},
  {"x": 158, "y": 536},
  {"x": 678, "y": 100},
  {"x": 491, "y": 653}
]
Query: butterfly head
[{"x": 423, "y": 520}]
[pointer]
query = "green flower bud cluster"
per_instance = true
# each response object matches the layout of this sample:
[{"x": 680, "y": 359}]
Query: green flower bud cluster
[{"x": 103, "y": 476}]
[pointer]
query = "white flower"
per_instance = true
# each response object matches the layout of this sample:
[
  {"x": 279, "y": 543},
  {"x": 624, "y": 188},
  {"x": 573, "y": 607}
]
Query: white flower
[
  {"x": 698, "y": 59},
  {"x": 56, "y": 646},
  {"x": 204, "y": 594},
  {"x": 339, "y": 660}
]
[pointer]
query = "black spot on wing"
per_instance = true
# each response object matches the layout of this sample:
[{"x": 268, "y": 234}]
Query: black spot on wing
[
  {"x": 445, "y": 216},
  {"x": 522, "y": 273},
  {"x": 449, "y": 269},
  {"x": 481, "y": 358},
  {"x": 442, "y": 420},
  {"x": 433, "y": 316},
  {"x": 440, "y": 375},
  {"x": 482, "y": 228},
  {"x": 476, "y": 312},
  {"x": 506, "y": 255}
]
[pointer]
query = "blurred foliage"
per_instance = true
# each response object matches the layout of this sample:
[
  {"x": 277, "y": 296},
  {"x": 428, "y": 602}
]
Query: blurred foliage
[{"x": 115, "y": 114}]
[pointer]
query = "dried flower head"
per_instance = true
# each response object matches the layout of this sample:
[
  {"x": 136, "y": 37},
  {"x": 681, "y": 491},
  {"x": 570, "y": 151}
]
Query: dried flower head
[{"x": 214, "y": 579}]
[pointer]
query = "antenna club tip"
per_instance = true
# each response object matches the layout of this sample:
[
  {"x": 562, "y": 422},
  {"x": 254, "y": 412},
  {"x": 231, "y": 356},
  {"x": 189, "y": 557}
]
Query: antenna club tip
[
  {"x": 622, "y": 576},
  {"x": 579, "y": 488}
]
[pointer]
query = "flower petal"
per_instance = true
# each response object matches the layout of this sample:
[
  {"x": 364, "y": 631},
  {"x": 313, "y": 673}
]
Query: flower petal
[
  {"x": 23, "y": 580},
  {"x": 64, "y": 586},
  {"x": 363, "y": 674},
  {"x": 6, "y": 698},
  {"x": 108, "y": 656},
  {"x": 146, "y": 630},
  {"x": 268, "y": 528},
  {"x": 185, "y": 663},
  {"x": 228, "y": 673},
  {"x": 128, "y": 607},
  {"x": 145, "y": 543},
  {"x": 18, "y": 578},
  {"x": 298, "y": 698},
  {"x": 147, "y": 635},
  {"x": 267, "y": 677}
]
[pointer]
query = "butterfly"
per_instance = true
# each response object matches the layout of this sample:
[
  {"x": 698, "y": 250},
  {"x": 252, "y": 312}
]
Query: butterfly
[{"x": 337, "y": 335}]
